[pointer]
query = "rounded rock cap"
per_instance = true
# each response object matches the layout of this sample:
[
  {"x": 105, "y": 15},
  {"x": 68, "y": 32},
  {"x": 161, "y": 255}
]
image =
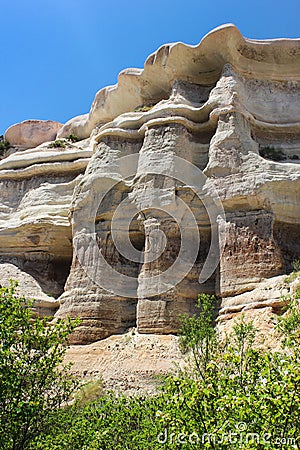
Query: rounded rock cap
[{"x": 31, "y": 133}]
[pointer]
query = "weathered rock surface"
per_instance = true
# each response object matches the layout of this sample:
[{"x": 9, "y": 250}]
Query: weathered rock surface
[
  {"x": 36, "y": 191},
  {"x": 31, "y": 133},
  {"x": 131, "y": 362},
  {"x": 44, "y": 305},
  {"x": 229, "y": 107}
]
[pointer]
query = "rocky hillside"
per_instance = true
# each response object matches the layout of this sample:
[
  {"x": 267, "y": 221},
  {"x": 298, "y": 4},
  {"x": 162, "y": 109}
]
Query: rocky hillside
[{"x": 183, "y": 178}]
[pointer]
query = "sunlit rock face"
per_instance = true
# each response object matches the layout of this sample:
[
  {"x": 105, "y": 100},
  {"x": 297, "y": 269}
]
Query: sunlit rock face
[
  {"x": 31, "y": 133},
  {"x": 230, "y": 108},
  {"x": 35, "y": 233}
]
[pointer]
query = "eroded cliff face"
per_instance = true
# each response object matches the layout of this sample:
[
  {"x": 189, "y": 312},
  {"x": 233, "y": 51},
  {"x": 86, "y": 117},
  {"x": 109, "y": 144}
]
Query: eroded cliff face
[{"x": 198, "y": 155}]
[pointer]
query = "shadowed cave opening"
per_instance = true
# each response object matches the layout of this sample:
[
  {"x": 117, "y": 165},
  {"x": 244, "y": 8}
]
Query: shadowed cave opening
[
  {"x": 287, "y": 236},
  {"x": 50, "y": 271}
]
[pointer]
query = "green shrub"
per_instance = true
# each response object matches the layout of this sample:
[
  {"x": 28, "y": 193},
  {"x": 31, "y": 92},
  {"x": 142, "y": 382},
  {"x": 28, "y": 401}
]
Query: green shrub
[
  {"x": 296, "y": 265},
  {"x": 144, "y": 108},
  {"x": 59, "y": 143},
  {"x": 247, "y": 398},
  {"x": 269, "y": 152},
  {"x": 198, "y": 333},
  {"x": 89, "y": 392},
  {"x": 233, "y": 396},
  {"x": 62, "y": 143},
  {"x": 4, "y": 145},
  {"x": 112, "y": 423},
  {"x": 296, "y": 269},
  {"x": 33, "y": 379},
  {"x": 289, "y": 323}
]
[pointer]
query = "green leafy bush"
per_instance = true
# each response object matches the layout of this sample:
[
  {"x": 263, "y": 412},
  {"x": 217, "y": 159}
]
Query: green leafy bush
[
  {"x": 33, "y": 379},
  {"x": 296, "y": 265},
  {"x": 269, "y": 152},
  {"x": 198, "y": 333},
  {"x": 296, "y": 272},
  {"x": 144, "y": 108},
  {"x": 62, "y": 143},
  {"x": 246, "y": 397},
  {"x": 89, "y": 392},
  {"x": 114, "y": 423},
  {"x": 59, "y": 143},
  {"x": 4, "y": 145}
]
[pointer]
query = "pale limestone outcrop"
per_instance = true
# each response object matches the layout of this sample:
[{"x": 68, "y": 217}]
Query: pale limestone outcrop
[
  {"x": 229, "y": 107},
  {"x": 222, "y": 138},
  {"x": 275, "y": 59},
  {"x": 31, "y": 133},
  {"x": 130, "y": 363},
  {"x": 36, "y": 191},
  {"x": 28, "y": 287}
]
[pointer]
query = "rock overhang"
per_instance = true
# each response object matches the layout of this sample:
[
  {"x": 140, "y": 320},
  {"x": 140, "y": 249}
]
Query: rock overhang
[{"x": 229, "y": 106}]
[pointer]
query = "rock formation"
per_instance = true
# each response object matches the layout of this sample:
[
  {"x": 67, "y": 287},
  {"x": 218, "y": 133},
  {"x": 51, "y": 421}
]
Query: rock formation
[
  {"x": 230, "y": 108},
  {"x": 31, "y": 133}
]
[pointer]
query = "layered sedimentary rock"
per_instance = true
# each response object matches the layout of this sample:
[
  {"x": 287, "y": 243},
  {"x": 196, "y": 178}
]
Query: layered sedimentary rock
[
  {"x": 35, "y": 234},
  {"x": 229, "y": 108}
]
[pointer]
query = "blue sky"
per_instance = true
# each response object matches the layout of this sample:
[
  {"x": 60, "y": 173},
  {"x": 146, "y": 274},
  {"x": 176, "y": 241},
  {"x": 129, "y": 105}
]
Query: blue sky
[{"x": 56, "y": 54}]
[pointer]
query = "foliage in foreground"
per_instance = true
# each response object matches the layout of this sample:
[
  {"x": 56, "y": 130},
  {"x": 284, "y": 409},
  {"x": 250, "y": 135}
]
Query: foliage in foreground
[
  {"x": 110, "y": 423},
  {"x": 33, "y": 380},
  {"x": 235, "y": 396},
  {"x": 4, "y": 145}
]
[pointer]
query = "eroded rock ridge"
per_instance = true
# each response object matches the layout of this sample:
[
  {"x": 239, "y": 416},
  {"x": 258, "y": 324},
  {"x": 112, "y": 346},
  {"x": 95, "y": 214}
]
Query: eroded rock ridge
[{"x": 229, "y": 106}]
